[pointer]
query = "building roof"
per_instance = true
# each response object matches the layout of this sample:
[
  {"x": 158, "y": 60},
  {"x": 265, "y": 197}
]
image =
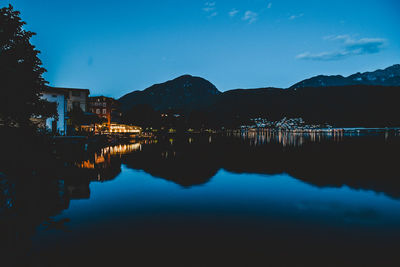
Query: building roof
[
  {"x": 54, "y": 90},
  {"x": 101, "y": 97},
  {"x": 68, "y": 89}
]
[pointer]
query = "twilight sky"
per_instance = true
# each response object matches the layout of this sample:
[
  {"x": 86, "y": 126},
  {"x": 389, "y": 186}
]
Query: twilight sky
[{"x": 115, "y": 47}]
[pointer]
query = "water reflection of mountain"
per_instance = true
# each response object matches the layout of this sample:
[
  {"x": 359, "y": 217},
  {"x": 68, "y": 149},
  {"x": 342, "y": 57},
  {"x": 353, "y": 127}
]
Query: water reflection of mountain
[
  {"x": 176, "y": 160},
  {"x": 362, "y": 162}
]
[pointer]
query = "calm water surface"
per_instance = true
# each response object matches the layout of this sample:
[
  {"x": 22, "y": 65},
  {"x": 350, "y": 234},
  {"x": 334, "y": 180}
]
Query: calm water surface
[{"x": 247, "y": 199}]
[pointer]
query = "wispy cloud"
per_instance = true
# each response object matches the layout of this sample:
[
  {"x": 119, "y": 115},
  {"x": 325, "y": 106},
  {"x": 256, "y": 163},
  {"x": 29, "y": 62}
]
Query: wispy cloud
[
  {"x": 250, "y": 16},
  {"x": 211, "y": 9},
  {"x": 233, "y": 12},
  {"x": 209, "y": 6},
  {"x": 269, "y": 5},
  {"x": 351, "y": 47},
  {"x": 293, "y": 17}
]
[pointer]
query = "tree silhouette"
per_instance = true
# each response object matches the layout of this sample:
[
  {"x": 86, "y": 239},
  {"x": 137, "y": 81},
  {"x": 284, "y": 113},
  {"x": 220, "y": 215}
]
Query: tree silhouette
[
  {"x": 21, "y": 71},
  {"x": 142, "y": 115}
]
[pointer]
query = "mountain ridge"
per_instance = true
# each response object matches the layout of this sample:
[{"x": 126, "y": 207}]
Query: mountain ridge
[
  {"x": 389, "y": 76},
  {"x": 343, "y": 102}
]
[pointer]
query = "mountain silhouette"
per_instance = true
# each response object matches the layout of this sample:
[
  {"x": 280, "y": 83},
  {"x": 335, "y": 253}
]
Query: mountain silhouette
[
  {"x": 361, "y": 100},
  {"x": 341, "y": 106},
  {"x": 387, "y": 77},
  {"x": 183, "y": 93}
]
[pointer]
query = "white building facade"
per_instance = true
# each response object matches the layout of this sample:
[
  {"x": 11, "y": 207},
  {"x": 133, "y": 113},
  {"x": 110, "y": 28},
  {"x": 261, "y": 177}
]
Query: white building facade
[{"x": 57, "y": 125}]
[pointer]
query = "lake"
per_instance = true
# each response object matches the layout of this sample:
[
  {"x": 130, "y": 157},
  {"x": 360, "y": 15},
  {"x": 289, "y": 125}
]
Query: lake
[{"x": 246, "y": 198}]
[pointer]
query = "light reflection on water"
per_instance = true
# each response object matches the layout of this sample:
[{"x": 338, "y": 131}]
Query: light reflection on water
[
  {"x": 246, "y": 199},
  {"x": 300, "y": 137}
]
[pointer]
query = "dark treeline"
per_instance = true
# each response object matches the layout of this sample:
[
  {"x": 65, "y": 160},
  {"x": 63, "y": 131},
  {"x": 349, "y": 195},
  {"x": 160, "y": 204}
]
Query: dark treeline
[
  {"x": 146, "y": 116},
  {"x": 21, "y": 74},
  {"x": 21, "y": 84}
]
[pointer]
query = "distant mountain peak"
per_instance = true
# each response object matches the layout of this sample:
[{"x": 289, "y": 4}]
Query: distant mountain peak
[
  {"x": 185, "y": 76},
  {"x": 386, "y": 77},
  {"x": 185, "y": 92}
]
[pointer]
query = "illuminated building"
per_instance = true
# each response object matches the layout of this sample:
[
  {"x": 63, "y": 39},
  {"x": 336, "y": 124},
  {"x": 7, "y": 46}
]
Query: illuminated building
[
  {"x": 103, "y": 107},
  {"x": 122, "y": 128},
  {"x": 59, "y": 97},
  {"x": 114, "y": 128},
  {"x": 66, "y": 99}
]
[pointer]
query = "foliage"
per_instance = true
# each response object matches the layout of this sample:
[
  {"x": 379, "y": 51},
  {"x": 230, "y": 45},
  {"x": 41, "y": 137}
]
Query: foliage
[
  {"x": 24, "y": 150},
  {"x": 142, "y": 115},
  {"x": 20, "y": 73}
]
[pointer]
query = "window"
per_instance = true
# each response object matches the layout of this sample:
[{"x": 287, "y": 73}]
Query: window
[
  {"x": 104, "y": 111},
  {"x": 98, "y": 111},
  {"x": 104, "y": 105},
  {"x": 76, "y": 93},
  {"x": 54, "y": 95}
]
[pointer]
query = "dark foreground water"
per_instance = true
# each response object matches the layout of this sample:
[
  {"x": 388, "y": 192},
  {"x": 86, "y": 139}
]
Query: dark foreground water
[{"x": 266, "y": 199}]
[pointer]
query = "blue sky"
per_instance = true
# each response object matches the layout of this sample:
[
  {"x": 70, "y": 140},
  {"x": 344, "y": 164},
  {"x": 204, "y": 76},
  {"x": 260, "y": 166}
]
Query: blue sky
[{"x": 115, "y": 47}]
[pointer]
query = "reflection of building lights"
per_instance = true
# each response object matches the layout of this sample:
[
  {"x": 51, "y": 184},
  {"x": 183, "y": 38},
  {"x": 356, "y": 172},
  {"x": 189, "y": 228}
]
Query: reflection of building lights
[
  {"x": 99, "y": 159},
  {"x": 121, "y": 149},
  {"x": 294, "y": 138},
  {"x": 86, "y": 165},
  {"x": 104, "y": 156}
]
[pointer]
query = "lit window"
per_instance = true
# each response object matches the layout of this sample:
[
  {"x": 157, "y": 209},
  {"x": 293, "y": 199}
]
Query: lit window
[
  {"x": 104, "y": 111},
  {"x": 98, "y": 111}
]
